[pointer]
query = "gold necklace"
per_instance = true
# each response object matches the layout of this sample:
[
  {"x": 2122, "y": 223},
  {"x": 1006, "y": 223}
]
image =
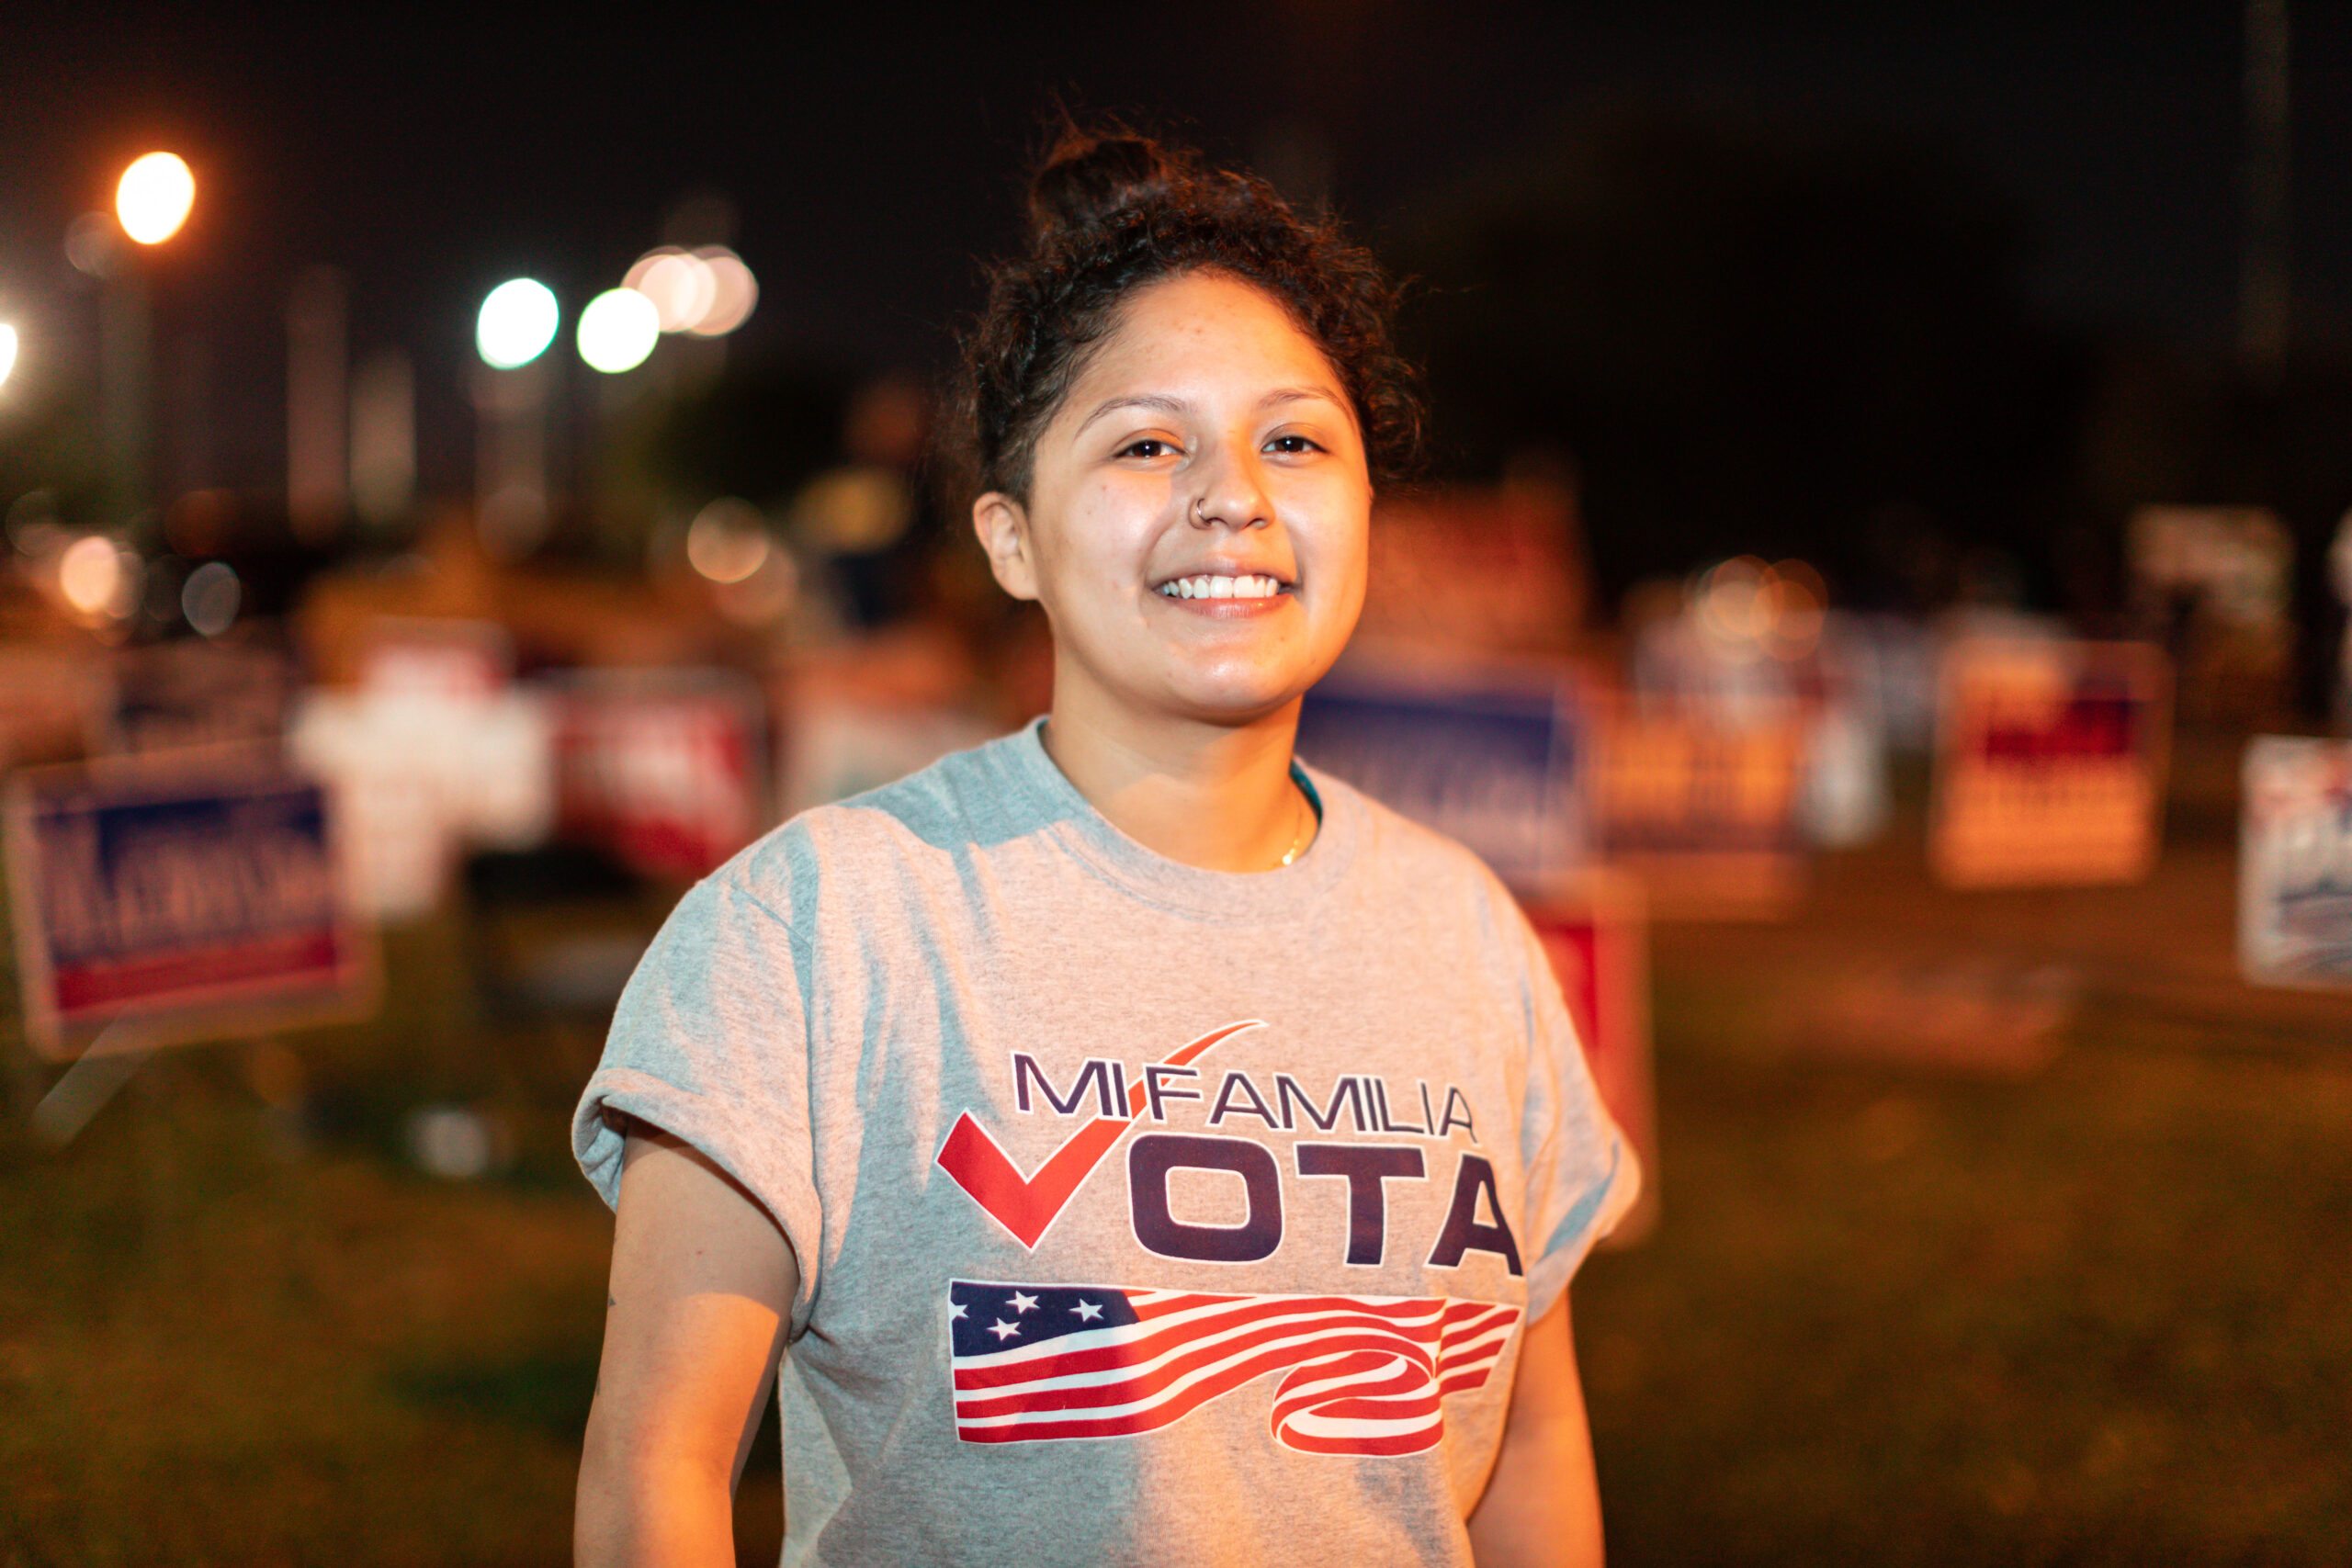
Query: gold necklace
[{"x": 1298, "y": 839}]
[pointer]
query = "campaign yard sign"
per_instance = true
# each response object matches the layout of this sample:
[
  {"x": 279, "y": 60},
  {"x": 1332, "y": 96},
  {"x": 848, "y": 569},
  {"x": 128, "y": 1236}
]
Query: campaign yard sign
[
  {"x": 178, "y": 897},
  {"x": 456, "y": 660},
  {"x": 2295, "y": 863},
  {"x": 421, "y": 773},
  {"x": 1489, "y": 755},
  {"x": 1595, "y": 936},
  {"x": 1703, "y": 812},
  {"x": 2050, "y": 762},
  {"x": 192, "y": 693},
  {"x": 663, "y": 768}
]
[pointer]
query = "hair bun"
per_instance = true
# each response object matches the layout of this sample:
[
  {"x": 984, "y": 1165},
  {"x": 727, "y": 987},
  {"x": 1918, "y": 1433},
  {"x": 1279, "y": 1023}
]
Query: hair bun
[{"x": 1089, "y": 178}]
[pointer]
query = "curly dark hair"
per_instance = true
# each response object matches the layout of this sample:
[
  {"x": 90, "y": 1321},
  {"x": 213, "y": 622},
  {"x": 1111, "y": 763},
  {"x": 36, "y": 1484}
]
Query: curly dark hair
[{"x": 1111, "y": 212}]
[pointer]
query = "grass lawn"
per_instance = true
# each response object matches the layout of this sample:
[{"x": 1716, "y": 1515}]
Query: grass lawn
[{"x": 2097, "y": 1311}]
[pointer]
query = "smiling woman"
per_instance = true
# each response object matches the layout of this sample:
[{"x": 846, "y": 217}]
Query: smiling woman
[
  {"x": 856, "y": 1096},
  {"x": 1195, "y": 528}
]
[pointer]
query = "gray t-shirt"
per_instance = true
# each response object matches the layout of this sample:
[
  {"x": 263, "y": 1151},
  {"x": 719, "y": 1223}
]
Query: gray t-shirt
[{"x": 1144, "y": 1213}]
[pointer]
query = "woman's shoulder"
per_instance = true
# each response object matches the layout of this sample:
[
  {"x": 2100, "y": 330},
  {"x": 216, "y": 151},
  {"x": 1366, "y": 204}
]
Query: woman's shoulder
[
  {"x": 1394, "y": 846},
  {"x": 936, "y": 813}
]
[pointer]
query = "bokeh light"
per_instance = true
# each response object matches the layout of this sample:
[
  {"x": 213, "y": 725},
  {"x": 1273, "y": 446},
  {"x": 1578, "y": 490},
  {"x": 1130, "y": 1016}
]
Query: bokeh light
[
  {"x": 211, "y": 598},
  {"x": 517, "y": 322},
  {"x": 1748, "y": 608},
  {"x": 727, "y": 540},
  {"x": 452, "y": 1141},
  {"x": 154, "y": 197},
  {"x": 733, "y": 293},
  {"x": 618, "y": 329},
  {"x": 33, "y": 527},
  {"x": 1799, "y": 608},
  {"x": 708, "y": 292},
  {"x": 88, "y": 573},
  {"x": 679, "y": 282},
  {"x": 98, "y": 579},
  {"x": 7, "y": 351},
  {"x": 90, "y": 243}
]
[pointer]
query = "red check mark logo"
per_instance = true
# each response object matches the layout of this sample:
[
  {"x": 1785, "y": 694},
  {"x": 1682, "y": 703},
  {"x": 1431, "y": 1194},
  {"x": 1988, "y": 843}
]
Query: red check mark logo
[{"x": 1027, "y": 1205}]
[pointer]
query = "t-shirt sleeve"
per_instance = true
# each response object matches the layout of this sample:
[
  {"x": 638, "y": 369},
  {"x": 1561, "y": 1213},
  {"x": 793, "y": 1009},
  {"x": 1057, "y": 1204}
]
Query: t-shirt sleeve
[
  {"x": 709, "y": 1043},
  {"x": 1582, "y": 1174}
]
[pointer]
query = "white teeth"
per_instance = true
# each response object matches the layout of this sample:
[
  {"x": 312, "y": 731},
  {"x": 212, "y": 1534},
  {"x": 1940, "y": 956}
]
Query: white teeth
[{"x": 1208, "y": 586}]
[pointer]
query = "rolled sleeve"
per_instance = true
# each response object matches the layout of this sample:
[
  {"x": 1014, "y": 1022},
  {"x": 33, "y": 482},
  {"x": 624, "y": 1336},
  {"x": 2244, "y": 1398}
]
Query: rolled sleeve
[
  {"x": 709, "y": 1043},
  {"x": 1582, "y": 1173}
]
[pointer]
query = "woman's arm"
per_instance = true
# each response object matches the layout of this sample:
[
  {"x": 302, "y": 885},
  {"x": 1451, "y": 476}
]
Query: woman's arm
[
  {"x": 1542, "y": 1503},
  {"x": 702, "y": 1289}
]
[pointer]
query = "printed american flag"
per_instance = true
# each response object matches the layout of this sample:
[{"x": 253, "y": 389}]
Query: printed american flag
[{"x": 1361, "y": 1374}]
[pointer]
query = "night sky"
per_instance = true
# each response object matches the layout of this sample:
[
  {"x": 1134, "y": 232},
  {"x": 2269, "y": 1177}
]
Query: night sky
[{"x": 875, "y": 156}]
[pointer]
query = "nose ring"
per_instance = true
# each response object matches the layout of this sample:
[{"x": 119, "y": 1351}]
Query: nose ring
[{"x": 1202, "y": 519}]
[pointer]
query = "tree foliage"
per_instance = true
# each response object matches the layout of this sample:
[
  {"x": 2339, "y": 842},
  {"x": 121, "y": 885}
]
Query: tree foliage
[{"x": 1746, "y": 338}]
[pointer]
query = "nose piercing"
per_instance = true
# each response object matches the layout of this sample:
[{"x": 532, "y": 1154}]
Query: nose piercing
[{"x": 1202, "y": 519}]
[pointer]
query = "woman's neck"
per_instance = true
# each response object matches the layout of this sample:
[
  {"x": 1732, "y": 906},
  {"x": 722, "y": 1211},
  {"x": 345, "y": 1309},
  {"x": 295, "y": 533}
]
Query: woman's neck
[{"x": 1217, "y": 797}]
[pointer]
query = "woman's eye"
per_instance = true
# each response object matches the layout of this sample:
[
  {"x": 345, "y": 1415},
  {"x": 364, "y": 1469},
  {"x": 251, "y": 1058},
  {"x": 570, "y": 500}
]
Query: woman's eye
[
  {"x": 1150, "y": 447},
  {"x": 1293, "y": 443}
]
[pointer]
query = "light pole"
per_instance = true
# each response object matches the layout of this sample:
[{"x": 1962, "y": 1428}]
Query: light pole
[
  {"x": 2264, "y": 296},
  {"x": 510, "y": 335},
  {"x": 152, "y": 201}
]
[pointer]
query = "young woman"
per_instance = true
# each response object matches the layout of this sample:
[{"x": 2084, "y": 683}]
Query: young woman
[{"x": 1138, "y": 1147}]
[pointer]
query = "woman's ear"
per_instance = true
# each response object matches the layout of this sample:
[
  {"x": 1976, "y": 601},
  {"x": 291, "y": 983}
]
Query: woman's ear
[{"x": 1002, "y": 528}]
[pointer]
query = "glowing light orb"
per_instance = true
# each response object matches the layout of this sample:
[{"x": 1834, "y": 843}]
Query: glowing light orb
[
  {"x": 96, "y": 577},
  {"x": 154, "y": 196},
  {"x": 733, "y": 293},
  {"x": 210, "y": 596},
  {"x": 7, "y": 351},
  {"x": 618, "y": 329},
  {"x": 90, "y": 243},
  {"x": 679, "y": 282},
  {"x": 727, "y": 540},
  {"x": 1746, "y": 607},
  {"x": 516, "y": 324}
]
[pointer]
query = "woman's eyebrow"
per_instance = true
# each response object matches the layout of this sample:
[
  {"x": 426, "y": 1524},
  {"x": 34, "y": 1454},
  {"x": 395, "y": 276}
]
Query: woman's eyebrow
[
  {"x": 1160, "y": 403},
  {"x": 1301, "y": 395},
  {"x": 1175, "y": 407}
]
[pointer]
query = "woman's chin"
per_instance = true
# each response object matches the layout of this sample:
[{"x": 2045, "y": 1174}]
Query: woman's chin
[{"x": 1238, "y": 702}]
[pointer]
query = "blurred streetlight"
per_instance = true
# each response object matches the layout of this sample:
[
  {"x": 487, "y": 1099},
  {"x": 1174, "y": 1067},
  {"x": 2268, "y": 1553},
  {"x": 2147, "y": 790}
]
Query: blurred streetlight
[
  {"x": 99, "y": 578},
  {"x": 517, "y": 322},
  {"x": 733, "y": 293},
  {"x": 727, "y": 540},
  {"x": 210, "y": 598},
  {"x": 151, "y": 201},
  {"x": 707, "y": 292},
  {"x": 7, "y": 351},
  {"x": 153, "y": 198},
  {"x": 678, "y": 282},
  {"x": 618, "y": 329}
]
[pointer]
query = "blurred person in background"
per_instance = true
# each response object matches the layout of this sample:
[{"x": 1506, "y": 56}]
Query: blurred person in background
[
  {"x": 865, "y": 520},
  {"x": 854, "y": 1103}
]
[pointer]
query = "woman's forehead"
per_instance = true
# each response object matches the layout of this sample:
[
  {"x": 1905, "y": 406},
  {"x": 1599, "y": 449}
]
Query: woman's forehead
[{"x": 1205, "y": 328}]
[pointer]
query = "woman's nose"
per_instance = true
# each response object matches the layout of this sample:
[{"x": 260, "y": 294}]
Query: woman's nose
[{"x": 1232, "y": 494}]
